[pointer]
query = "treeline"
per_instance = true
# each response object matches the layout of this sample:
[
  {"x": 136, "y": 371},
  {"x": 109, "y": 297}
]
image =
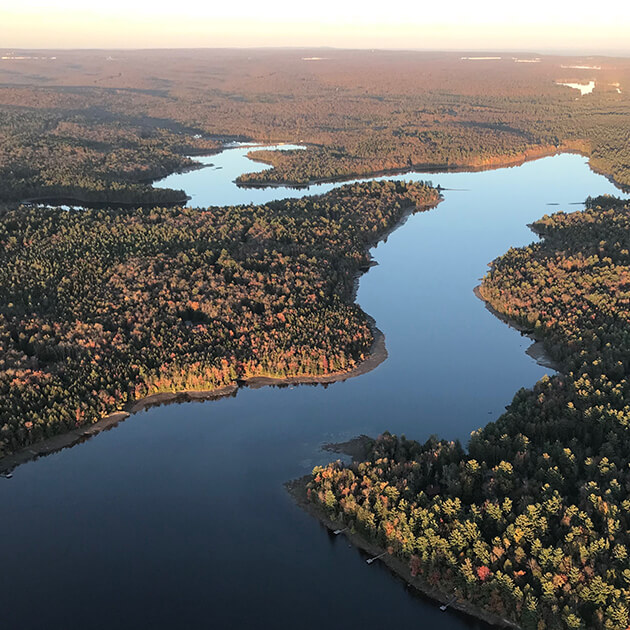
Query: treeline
[
  {"x": 503, "y": 132},
  {"x": 99, "y": 308},
  {"x": 532, "y": 521},
  {"x": 49, "y": 154}
]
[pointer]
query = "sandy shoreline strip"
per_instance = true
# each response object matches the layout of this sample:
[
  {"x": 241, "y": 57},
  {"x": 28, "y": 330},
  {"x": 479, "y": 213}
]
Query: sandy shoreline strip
[{"x": 378, "y": 354}]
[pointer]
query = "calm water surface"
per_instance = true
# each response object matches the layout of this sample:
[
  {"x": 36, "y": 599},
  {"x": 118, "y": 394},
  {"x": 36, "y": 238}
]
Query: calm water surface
[{"x": 178, "y": 517}]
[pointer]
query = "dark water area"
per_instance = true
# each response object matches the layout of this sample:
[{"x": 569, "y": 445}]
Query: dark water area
[{"x": 178, "y": 517}]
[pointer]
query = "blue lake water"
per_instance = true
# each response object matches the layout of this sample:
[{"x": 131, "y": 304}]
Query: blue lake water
[{"x": 178, "y": 517}]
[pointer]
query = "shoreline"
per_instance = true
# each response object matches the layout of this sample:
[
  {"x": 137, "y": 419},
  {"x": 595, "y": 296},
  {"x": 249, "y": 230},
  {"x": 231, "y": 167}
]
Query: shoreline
[
  {"x": 297, "y": 489},
  {"x": 377, "y": 355},
  {"x": 97, "y": 205},
  {"x": 430, "y": 168},
  {"x": 537, "y": 349},
  {"x": 436, "y": 169}
]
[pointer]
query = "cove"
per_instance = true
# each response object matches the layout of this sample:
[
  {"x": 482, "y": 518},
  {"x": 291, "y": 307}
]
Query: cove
[{"x": 178, "y": 517}]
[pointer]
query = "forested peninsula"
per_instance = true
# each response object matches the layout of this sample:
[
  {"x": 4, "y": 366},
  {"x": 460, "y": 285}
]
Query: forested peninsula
[
  {"x": 102, "y": 308},
  {"x": 531, "y": 522},
  {"x": 87, "y": 157}
]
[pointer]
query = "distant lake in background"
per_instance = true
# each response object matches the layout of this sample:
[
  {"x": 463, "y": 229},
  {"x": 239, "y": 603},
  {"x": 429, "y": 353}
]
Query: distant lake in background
[{"x": 178, "y": 517}]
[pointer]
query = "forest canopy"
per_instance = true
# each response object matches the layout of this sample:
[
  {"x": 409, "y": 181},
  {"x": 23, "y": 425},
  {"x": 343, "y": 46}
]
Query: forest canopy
[{"x": 99, "y": 308}]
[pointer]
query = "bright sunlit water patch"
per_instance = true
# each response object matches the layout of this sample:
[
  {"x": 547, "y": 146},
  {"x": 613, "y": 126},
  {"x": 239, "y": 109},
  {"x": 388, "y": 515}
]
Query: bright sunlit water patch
[{"x": 584, "y": 88}]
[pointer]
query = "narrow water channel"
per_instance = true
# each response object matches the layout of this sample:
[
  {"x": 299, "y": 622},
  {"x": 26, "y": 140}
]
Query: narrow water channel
[{"x": 178, "y": 517}]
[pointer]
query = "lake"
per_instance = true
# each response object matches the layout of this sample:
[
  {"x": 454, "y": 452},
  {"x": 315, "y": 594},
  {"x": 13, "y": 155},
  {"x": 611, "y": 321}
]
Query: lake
[
  {"x": 178, "y": 517},
  {"x": 584, "y": 88}
]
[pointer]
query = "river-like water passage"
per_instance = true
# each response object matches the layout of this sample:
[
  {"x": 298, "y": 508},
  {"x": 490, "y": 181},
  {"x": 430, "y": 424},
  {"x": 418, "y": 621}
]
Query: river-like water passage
[{"x": 178, "y": 517}]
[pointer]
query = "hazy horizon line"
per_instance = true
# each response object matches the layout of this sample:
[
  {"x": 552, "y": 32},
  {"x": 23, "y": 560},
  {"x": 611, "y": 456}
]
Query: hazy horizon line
[{"x": 532, "y": 51}]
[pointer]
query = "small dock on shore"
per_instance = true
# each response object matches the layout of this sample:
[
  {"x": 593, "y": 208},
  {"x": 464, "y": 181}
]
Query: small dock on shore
[
  {"x": 380, "y": 555},
  {"x": 451, "y": 601}
]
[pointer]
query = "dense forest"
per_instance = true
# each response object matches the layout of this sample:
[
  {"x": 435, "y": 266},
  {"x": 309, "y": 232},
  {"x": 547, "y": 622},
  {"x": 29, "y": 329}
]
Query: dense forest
[
  {"x": 531, "y": 521},
  {"x": 89, "y": 157},
  {"x": 100, "y": 125},
  {"x": 99, "y": 308}
]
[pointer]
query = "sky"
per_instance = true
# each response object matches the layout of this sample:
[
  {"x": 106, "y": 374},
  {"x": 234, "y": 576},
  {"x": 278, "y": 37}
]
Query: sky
[{"x": 536, "y": 25}]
